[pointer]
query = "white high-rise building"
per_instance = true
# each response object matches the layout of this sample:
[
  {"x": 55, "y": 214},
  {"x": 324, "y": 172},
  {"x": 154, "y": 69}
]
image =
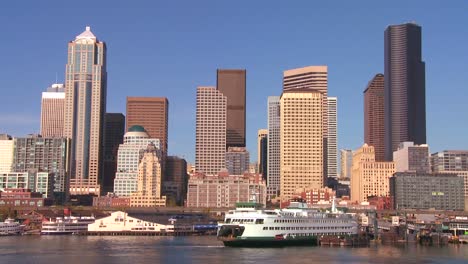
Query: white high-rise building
[
  {"x": 210, "y": 146},
  {"x": 332, "y": 139},
  {"x": 273, "y": 155},
  {"x": 128, "y": 158},
  {"x": 7, "y": 146},
  {"x": 346, "y": 161}
]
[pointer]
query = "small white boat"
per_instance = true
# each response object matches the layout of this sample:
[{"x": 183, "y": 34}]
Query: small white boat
[{"x": 11, "y": 227}]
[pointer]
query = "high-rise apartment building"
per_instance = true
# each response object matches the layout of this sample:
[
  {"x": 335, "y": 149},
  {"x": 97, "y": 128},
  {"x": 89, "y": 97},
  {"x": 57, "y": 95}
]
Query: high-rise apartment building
[
  {"x": 374, "y": 116},
  {"x": 308, "y": 79},
  {"x": 7, "y": 146},
  {"x": 346, "y": 161},
  {"x": 273, "y": 150},
  {"x": 369, "y": 177},
  {"x": 412, "y": 158},
  {"x": 450, "y": 160},
  {"x": 301, "y": 141},
  {"x": 231, "y": 83},
  {"x": 52, "y": 111},
  {"x": 332, "y": 140},
  {"x": 114, "y": 127},
  {"x": 152, "y": 113},
  {"x": 210, "y": 145},
  {"x": 85, "y": 105},
  {"x": 405, "y": 88},
  {"x": 45, "y": 155},
  {"x": 149, "y": 179},
  {"x": 128, "y": 158},
  {"x": 237, "y": 160},
  {"x": 262, "y": 152}
]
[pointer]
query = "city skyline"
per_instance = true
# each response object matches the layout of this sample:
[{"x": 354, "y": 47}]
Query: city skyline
[{"x": 265, "y": 76}]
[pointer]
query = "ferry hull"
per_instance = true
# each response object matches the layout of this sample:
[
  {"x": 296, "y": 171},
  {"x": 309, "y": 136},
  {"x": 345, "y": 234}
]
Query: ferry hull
[{"x": 270, "y": 242}]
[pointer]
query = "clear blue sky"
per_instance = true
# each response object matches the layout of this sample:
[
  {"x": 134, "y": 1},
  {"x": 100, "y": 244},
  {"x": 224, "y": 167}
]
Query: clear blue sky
[{"x": 168, "y": 48}]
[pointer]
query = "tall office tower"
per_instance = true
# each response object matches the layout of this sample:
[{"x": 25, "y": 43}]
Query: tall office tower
[
  {"x": 231, "y": 83},
  {"x": 149, "y": 179},
  {"x": 210, "y": 145},
  {"x": 237, "y": 160},
  {"x": 450, "y": 160},
  {"x": 176, "y": 179},
  {"x": 301, "y": 141},
  {"x": 85, "y": 105},
  {"x": 153, "y": 114},
  {"x": 346, "y": 161},
  {"x": 369, "y": 177},
  {"x": 128, "y": 157},
  {"x": 52, "y": 110},
  {"x": 332, "y": 144},
  {"x": 273, "y": 150},
  {"x": 405, "y": 87},
  {"x": 262, "y": 152},
  {"x": 114, "y": 127},
  {"x": 374, "y": 116},
  {"x": 49, "y": 155},
  {"x": 7, "y": 146},
  {"x": 312, "y": 78},
  {"x": 412, "y": 158}
]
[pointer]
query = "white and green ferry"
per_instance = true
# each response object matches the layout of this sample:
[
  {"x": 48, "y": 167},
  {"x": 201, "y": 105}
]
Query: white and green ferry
[{"x": 297, "y": 225}]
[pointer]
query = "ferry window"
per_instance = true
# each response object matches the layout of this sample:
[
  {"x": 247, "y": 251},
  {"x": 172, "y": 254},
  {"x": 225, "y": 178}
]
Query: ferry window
[
  {"x": 259, "y": 221},
  {"x": 228, "y": 220},
  {"x": 265, "y": 228}
]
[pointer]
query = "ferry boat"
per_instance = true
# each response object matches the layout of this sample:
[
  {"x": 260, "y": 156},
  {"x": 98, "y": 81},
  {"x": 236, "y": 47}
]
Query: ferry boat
[
  {"x": 66, "y": 225},
  {"x": 297, "y": 225},
  {"x": 11, "y": 227}
]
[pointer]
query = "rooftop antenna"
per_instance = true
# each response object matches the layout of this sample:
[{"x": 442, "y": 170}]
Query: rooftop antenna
[{"x": 56, "y": 77}]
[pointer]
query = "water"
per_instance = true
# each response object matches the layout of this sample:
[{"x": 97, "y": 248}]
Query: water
[{"x": 136, "y": 250}]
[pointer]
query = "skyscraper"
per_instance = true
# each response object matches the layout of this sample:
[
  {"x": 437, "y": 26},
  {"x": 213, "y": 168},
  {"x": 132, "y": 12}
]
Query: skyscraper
[
  {"x": 405, "y": 88},
  {"x": 153, "y": 114},
  {"x": 114, "y": 127},
  {"x": 346, "y": 157},
  {"x": 231, "y": 83},
  {"x": 7, "y": 146},
  {"x": 273, "y": 150},
  {"x": 262, "y": 155},
  {"x": 301, "y": 141},
  {"x": 332, "y": 140},
  {"x": 52, "y": 111},
  {"x": 175, "y": 180},
  {"x": 374, "y": 116},
  {"x": 237, "y": 160},
  {"x": 309, "y": 79},
  {"x": 210, "y": 145},
  {"x": 85, "y": 105}
]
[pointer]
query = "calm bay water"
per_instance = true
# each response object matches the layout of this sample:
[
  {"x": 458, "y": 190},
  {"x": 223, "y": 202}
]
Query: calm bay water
[{"x": 84, "y": 250}]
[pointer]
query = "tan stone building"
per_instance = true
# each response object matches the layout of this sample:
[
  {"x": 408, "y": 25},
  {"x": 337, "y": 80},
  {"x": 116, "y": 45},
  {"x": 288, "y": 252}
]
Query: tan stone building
[
  {"x": 369, "y": 177},
  {"x": 149, "y": 180},
  {"x": 301, "y": 137},
  {"x": 52, "y": 110}
]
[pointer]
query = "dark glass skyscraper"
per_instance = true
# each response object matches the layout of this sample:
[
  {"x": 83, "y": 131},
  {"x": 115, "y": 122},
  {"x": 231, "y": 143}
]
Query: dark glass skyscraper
[
  {"x": 405, "y": 88},
  {"x": 114, "y": 128},
  {"x": 232, "y": 82}
]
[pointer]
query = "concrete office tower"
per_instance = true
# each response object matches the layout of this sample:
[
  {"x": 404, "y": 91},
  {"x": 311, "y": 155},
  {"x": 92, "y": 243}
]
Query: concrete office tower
[
  {"x": 175, "y": 180},
  {"x": 231, "y": 83},
  {"x": 262, "y": 152},
  {"x": 308, "y": 79},
  {"x": 332, "y": 140},
  {"x": 152, "y": 113},
  {"x": 369, "y": 177},
  {"x": 210, "y": 145},
  {"x": 405, "y": 87},
  {"x": 273, "y": 150},
  {"x": 374, "y": 116},
  {"x": 128, "y": 157},
  {"x": 149, "y": 179},
  {"x": 237, "y": 160},
  {"x": 85, "y": 105},
  {"x": 346, "y": 161},
  {"x": 45, "y": 155},
  {"x": 301, "y": 142},
  {"x": 419, "y": 190},
  {"x": 114, "y": 127},
  {"x": 450, "y": 160},
  {"x": 7, "y": 146},
  {"x": 410, "y": 157},
  {"x": 52, "y": 111}
]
